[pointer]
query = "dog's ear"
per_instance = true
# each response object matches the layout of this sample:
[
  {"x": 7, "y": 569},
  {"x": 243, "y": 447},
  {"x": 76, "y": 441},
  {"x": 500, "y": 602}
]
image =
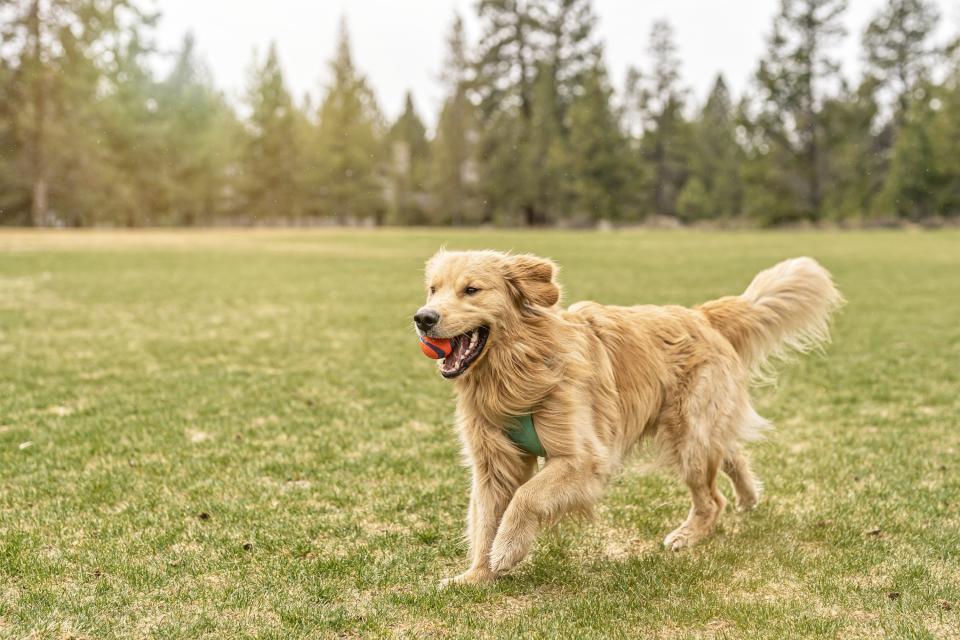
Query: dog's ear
[{"x": 533, "y": 280}]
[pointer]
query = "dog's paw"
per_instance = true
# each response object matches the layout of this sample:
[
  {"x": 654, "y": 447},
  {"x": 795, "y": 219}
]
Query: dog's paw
[
  {"x": 748, "y": 502},
  {"x": 681, "y": 538},
  {"x": 506, "y": 555},
  {"x": 470, "y": 577}
]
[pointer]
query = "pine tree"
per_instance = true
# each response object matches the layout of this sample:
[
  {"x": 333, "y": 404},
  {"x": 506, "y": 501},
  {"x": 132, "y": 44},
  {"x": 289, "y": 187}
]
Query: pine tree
[
  {"x": 714, "y": 189},
  {"x": 102, "y": 133},
  {"x": 791, "y": 81},
  {"x": 137, "y": 190},
  {"x": 898, "y": 50},
  {"x": 899, "y": 58},
  {"x": 857, "y": 162},
  {"x": 507, "y": 56},
  {"x": 910, "y": 190},
  {"x": 410, "y": 158},
  {"x": 571, "y": 50},
  {"x": 545, "y": 158},
  {"x": 770, "y": 177},
  {"x": 14, "y": 192},
  {"x": 453, "y": 150},
  {"x": 658, "y": 100},
  {"x": 349, "y": 143},
  {"x": 598, "y": 157},
  {"x": 530, "y": 66},
  {"x": 945, "y": 131},
  {"x": 502, "y": 87},
  {"x": 201, "y": 137},
  {"x": 55, "y": 51},
  {"x": 272, "y": 187},
  {"x": 571, "y": 66}
]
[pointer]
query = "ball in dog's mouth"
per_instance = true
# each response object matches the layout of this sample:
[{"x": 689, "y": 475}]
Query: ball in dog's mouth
[{"x": 466, "y": 348}]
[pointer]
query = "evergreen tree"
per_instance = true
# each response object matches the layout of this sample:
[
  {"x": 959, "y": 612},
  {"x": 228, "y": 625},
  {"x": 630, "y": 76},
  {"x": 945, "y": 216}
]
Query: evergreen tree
[
  {"x": 659, "y": 100},
  {"x": 507, "y": 56},
  {"x": 899, "y": 57},
  {"x": 410, "y": 158},
  {"x": 911, "y": 187},
  {"x": 453, "y": 150},
  {"x": 349, "y": 143},
  {"x": 945, "y": 131},
  {"x": 571, "y": 50},
  {"x": 898, "y": 50},
  {"x": 599, "y": 156},
  {"x": 101, "y": 133},
  {"x": 545, "y": 158},
  {"x": 271, "y": 160},
  {"x": 529, "y": 131},
  {"x": 571, "y": 57},
  {"x": 791, "y": 81},
  {"x": 770, "y": 178},
  {"x": 14, "y": 193},
  {"x": 139, "y": 190},
  {"x": 530, "y": 66},
  {"x": 714, "y": 188},
  {"x": 56, "y": 52},
  {"x": 506, "y": 62},
  {"x": 857, "y": 162},
  {"x": 694, "y": 202},
  {"x": 201, "y": 139}
]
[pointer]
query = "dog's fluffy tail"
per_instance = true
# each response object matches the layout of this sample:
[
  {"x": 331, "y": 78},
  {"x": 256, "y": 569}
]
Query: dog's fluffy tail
[{"x": 786, "y": 308}]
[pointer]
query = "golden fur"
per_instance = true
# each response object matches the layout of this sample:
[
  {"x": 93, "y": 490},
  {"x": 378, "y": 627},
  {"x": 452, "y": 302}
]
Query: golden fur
[{"x": 598, "y": 379}]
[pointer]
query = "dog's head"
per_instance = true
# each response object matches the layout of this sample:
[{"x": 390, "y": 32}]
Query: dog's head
[{"x": 476, "y": 298}]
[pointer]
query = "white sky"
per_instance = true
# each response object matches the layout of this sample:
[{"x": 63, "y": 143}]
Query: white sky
[{"x": 400, "y": 44}]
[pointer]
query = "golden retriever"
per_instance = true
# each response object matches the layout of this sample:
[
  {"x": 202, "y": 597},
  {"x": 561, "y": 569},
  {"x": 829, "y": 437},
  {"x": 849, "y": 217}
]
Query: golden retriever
[{"x": 598, "y": 379}]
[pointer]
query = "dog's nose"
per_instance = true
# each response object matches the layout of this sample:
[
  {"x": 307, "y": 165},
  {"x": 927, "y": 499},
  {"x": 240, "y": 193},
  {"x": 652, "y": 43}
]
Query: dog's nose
[{"x": 426, "y": 318}]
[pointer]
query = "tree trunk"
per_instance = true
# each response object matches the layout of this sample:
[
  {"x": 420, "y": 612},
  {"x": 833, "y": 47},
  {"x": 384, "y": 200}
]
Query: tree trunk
[
  {"x": 40, "y": 187},
  {"x": 529, "y": 215},
  {"x": 38, "y": 203},
  {"x": 816, "y": 197},
  {"x": 522, "y": 63},
  {"x": 660, "y": 185}
]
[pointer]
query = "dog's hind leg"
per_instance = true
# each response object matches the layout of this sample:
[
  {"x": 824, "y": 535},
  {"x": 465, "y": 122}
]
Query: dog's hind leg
[
  {"x": 745, "y": 484},
  {"x": 700, "y": 470}
]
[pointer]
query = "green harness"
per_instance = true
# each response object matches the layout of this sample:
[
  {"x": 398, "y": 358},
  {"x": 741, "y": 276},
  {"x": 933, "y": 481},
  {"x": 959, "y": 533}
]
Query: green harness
[{"x": 523, "y": 435}]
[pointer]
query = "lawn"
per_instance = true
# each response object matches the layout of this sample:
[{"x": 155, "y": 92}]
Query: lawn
[{"x": 233, "y": 434}]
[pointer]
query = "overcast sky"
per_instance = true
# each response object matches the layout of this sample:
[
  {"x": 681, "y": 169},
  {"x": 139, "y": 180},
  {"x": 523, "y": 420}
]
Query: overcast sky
[{"x": 400, "y": 44}]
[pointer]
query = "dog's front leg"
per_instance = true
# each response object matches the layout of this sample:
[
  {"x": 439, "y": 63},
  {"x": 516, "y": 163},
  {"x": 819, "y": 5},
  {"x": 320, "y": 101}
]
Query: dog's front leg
[
  {"x": 495, "y": 479},
  {"x": 563, "y": 485}
]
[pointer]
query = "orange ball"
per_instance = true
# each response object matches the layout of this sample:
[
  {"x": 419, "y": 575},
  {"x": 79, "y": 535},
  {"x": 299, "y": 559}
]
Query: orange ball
[{"x": 435, "y": 348}]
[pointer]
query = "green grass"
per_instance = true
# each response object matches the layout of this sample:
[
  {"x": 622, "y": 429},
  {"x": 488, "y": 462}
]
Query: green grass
[{"x": 233, "y": 434}]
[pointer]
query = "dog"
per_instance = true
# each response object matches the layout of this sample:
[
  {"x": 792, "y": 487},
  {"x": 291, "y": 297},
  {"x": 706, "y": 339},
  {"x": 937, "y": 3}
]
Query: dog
[{"x": 599, "y": 379}]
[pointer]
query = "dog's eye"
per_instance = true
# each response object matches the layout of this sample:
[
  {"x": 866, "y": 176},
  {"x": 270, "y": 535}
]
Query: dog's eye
[
  {"x": 471, "y": 291},
  {"x": 433, "y": 290}
]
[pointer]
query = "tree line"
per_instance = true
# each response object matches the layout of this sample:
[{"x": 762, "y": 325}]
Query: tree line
[{"x": 531, "y": 130}]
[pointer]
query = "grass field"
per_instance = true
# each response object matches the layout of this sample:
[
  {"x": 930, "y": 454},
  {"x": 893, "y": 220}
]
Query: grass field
[{"x": 233, "y": 434}]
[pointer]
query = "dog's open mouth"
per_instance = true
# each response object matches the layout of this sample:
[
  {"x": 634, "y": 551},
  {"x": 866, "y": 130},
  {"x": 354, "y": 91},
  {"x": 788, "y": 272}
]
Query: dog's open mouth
[{"x": 466, "y": 348}]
